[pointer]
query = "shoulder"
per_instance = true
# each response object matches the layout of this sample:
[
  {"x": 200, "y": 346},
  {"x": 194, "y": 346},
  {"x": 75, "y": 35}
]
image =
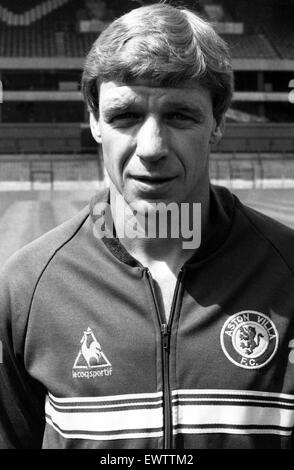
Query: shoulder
[
  {"x": 278, "y": 235},
  {"x": 33, "y": 257},
  {"x": 21, "y": 273}
]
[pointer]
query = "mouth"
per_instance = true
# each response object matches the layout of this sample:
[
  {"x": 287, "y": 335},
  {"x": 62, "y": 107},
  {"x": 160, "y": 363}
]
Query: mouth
[{"x": 153, "y": 180}]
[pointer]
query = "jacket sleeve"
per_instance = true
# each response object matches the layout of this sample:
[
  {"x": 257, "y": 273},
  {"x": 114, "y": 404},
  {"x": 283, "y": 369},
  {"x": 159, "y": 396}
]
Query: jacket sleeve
[{"x": 21, "y": 397}]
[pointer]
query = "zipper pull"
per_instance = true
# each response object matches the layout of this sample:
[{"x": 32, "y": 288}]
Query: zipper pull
[
  {"x": 148, "y": 273},
  {"x": 165, "y": 332}
]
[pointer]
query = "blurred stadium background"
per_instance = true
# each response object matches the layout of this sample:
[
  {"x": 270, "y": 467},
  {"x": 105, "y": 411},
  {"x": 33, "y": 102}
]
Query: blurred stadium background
[{"x": 49, "y": 163}]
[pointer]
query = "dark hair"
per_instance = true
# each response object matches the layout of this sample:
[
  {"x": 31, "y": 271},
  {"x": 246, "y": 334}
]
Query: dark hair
[{"x": 164, "y": 44}]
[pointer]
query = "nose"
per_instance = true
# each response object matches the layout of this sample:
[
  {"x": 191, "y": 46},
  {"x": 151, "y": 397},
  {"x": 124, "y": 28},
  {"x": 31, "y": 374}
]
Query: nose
[{"x": 151, "y": 141}]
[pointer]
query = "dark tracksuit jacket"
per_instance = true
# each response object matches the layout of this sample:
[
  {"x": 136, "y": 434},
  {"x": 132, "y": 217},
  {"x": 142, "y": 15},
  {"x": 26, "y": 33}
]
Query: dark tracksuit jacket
[{"x": 89, "y": 361}]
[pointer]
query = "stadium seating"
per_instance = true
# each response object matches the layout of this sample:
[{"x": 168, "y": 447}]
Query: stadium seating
[
  {"x": 250, "y": 46},
  {"x": 33, "y": 12},
  {"x": 50, "y": 29},
  {"x": 271, "y": 18},
  {"x": 40, "y": 29},
  {"x": 50, "y": 36},
  {"x": 19, "y": 7},
  {"x": 26, "y": 138}
]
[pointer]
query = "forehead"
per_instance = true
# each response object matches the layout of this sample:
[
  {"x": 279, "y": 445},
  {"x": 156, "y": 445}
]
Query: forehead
[{"x": 118, "y": 94}]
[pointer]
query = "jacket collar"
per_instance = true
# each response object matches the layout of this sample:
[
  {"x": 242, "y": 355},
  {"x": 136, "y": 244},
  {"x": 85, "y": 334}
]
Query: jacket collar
[{"x": 222, "y": 208}]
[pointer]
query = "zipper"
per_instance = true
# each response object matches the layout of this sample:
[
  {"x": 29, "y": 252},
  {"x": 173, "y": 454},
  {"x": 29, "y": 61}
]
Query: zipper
[{"x": 165, "y": 329}]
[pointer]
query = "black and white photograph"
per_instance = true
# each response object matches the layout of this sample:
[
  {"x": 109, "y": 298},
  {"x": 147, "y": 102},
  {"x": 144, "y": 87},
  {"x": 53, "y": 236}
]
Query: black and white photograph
[{"x": 146, "y": 227}]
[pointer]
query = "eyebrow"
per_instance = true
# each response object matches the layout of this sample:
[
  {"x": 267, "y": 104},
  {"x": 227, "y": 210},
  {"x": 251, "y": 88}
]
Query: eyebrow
[
  {"x": 195, "y": 108},
  {"x": 117, "y": 106},
  {"x": 120, "y": 106},
  {"x": 111, "y": 110}
]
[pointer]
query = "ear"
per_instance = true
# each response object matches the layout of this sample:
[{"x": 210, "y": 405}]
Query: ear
[
  {"x": 218, "y": 131},
  {"x": 95, "y": 128}
]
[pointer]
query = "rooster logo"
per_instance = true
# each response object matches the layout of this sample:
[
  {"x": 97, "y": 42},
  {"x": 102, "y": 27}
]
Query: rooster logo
[
  {"x": 90, "y": 355},
  {"x": 91, "y": 349}
]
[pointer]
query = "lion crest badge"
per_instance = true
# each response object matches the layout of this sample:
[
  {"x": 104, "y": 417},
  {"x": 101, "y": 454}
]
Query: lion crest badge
[{"x": 249, "y": 339}]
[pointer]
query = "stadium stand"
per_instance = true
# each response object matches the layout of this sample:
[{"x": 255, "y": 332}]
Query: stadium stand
[
  {"x": 59, "y": 33},
  {"x": 34, "y": 13},
  {"x": 42, "y": 30},
  {"x": 49, "y": 162},
  {"x": 52, "y": 35},
  {"x": 250, "y": 46},
  {"x": 272, "y": 18}
]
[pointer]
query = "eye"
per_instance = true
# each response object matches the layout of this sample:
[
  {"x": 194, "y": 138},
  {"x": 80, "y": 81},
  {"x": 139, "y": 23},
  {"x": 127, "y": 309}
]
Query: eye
[
  {"x": 180, "y": 119},
  {"x": 124, "y": 117},
  {"x": 178, "y": 116},
  {"x": 127, "y": 115}
]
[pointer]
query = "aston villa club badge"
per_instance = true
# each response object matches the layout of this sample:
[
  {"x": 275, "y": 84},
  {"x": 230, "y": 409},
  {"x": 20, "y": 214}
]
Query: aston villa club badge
[{"x": 249, "y": 339}]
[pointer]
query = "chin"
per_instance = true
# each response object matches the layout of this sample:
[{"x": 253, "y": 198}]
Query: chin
[
  {"x": 152, "y": 204},
  {"x": 143, "y": 205}
]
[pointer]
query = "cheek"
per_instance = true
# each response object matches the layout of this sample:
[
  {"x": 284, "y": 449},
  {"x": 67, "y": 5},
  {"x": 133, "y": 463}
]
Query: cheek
[
  {"x": 195, "y": 149},
  {"x": 194, "y": 160},
  {"x": 117, "y": 148}
]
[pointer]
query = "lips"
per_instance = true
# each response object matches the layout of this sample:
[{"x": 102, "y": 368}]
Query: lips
[
  {"x": 153, "y": 179},
  {"x": 153, "y": 185}
]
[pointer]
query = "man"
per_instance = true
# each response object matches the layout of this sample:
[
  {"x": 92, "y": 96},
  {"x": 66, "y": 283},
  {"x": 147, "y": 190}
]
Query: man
[{"x": 115, "y": 339}]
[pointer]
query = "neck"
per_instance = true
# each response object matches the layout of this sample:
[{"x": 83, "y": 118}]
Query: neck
[{"x": 152, "y": 250}]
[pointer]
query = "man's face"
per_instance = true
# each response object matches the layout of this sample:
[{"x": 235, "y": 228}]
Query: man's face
[{"x": 155, "y": 140}]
